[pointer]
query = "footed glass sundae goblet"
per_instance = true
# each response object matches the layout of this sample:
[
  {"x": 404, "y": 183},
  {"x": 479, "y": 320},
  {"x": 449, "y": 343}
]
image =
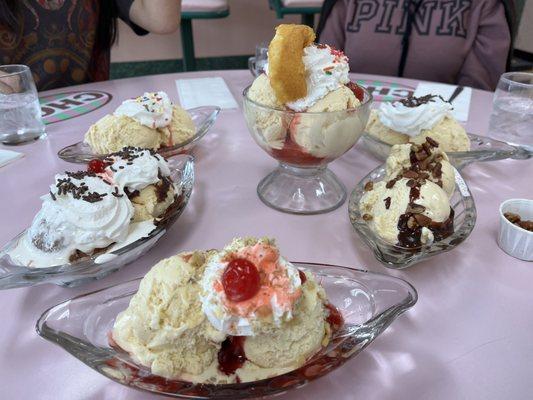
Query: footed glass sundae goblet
[{"x": 304, "y": 143}]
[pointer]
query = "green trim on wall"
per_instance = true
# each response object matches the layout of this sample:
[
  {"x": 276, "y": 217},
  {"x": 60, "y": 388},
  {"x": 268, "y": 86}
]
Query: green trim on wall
[{"x": 141, "y": 68}]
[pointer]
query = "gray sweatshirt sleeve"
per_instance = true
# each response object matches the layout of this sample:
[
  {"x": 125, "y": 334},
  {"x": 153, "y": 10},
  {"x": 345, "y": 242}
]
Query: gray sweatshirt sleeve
[
  {"x": 333, "y": 33},
  {"x": 486, "y": 60}
]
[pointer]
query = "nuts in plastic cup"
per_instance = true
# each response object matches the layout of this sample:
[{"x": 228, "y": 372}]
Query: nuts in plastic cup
[{"x": 514, "y": 240}]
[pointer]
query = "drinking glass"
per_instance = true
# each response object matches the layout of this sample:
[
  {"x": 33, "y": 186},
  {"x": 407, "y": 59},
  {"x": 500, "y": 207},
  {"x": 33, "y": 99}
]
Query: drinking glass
[
  {"x": 512, "y": 112},
  {"x": 257, "y": 63},
  {"x": 20, "y": 112}
]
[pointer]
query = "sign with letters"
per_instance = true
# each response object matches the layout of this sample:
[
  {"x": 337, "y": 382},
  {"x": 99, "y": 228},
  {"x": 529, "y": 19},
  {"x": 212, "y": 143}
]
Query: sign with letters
[
  {"x": 66, "y": 105},
  {"x": 386, "y": 91}
]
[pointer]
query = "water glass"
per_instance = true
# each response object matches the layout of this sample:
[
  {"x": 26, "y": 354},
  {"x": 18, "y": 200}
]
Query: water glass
[
  {"x": 20, "y": 112},
  {"x": 257, "y": 63},
  {"x": 512, "y": 112}
]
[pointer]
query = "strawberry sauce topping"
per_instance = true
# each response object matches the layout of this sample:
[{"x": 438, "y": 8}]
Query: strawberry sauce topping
[
  {"x": 357, "y": 90},
  {"x": 292, "y": 153},
  {"x": 231, "y": 355},
  {"x": 334, "y": 318}
]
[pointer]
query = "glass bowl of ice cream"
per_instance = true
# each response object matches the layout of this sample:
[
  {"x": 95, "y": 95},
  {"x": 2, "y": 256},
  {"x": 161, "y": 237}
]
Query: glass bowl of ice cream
[
  {"x": 93, "y": 222},
  {"x": 304, "y": 112},
  {"x": 412, "y": 119},
  {"x": 413, "y": 207},
  {"x": 238, "y": 323},
  {"x": 149, "y": 121}
]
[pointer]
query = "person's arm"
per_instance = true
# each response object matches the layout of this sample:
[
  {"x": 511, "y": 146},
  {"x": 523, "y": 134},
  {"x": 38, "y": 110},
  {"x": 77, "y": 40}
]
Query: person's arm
[
  {"x": 156, "y": 16},
  {"x": 488, "y": 55}
]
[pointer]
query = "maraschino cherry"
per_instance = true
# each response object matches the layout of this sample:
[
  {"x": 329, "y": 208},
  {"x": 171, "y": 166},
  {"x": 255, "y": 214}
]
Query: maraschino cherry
[
  {"x": 240, "y": 280},
  {"x": 97, "y": 166}
]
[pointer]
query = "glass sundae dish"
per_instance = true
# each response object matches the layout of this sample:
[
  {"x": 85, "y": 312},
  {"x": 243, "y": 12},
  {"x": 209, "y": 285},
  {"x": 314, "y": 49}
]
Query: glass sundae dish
[{"x": 305, "y": 113}]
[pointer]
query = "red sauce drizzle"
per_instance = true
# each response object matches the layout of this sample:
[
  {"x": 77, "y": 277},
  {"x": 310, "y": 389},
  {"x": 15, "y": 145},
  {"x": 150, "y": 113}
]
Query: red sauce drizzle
[
  {"x": 231, "y": 355},
  {"x": 334, "y": 318},
  {"x": 357, "y": 90},
  {"x": 292, "y": 153}
]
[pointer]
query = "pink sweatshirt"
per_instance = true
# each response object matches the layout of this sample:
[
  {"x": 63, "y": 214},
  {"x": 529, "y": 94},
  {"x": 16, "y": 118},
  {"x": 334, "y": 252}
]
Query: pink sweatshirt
[{"x": 463, "y": 42}]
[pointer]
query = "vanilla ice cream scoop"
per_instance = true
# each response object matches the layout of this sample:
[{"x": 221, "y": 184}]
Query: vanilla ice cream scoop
[
  {"x": 299, "y": 338},
  {"x": 407, "y": 213},
  {"x": 112, "y": 133},
  {"x": 164, "y": 326},
  {"x": 148, "y": 121},
  {"x": 269, "y": 122},
  {"x": 332, "y": 132},
  {"x": 428, "y": 161}
]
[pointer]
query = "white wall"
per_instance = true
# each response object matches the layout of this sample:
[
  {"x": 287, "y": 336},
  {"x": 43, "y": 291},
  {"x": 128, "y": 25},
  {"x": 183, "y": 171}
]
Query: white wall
[{"x": 249, "y": 23}]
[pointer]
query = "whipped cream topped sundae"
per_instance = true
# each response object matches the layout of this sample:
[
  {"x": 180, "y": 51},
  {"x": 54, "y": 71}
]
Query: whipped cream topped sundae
[
  {"x": 148, "y": 121},
  {"x": 412, "y": 119},
  {"x": 311, "y": 82},
  {"x": 86, "y": 212},
  {"x": 237, "y": 315}
]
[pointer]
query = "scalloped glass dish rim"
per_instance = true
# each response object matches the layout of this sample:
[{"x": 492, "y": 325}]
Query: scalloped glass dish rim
[
  {"x": 378, "y": 322},
  {"x": 204, "y": 128},
  {"x": 88, "y": 262},
  {"x": 367, "y": 234},
  {"x": 460, "y": 155}
]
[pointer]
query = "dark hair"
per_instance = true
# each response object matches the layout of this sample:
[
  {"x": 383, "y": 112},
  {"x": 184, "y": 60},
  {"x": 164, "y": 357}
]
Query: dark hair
[{"x": 106, "y": 33}]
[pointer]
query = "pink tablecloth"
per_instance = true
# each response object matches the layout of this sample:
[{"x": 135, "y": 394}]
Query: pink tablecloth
[{"x": 469, "y": 336}]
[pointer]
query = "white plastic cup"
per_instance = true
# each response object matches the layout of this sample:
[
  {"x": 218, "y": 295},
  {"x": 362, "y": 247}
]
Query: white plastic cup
[{"x": 516, "y": 241}]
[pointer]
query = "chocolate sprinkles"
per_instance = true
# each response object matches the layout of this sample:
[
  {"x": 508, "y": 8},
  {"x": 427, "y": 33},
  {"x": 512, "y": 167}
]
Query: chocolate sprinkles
[{"x": 413, "y": 101}]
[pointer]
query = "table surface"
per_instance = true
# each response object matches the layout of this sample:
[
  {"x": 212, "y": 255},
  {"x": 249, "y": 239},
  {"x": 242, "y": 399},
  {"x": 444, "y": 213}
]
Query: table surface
[{"x": 468, "y": 337}]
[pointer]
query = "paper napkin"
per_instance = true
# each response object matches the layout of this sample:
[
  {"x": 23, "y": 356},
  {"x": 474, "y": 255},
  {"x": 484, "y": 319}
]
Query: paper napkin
[
  {"x": 7, "y": 156},
  {"x": 205, "y": 92},
  {"x": 461, "y": 104}
]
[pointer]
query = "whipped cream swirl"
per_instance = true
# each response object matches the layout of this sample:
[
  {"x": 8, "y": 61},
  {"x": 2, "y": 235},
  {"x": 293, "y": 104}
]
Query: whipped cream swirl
[
  {"x": 412, "y": 115},
  {"x": 230, "y": 322},
  {"x": 81, "y": 212},
  {"x": 153, "y": 109},
  {"x": 327, "y": 70},
  {"x": 135, "y": 168}
]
